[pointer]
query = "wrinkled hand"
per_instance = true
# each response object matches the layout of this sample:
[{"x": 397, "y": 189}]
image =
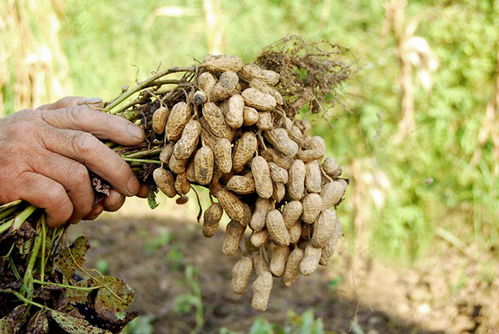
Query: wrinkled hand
[{"x": 45, "y": 155}]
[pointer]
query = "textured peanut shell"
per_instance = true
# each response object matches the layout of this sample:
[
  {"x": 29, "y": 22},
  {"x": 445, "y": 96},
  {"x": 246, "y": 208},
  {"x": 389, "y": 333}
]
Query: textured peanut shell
[
  {"x": 231, "y": 203},
  {"x": 206, "y": 82},
  {"x": 244, "y": 150},
  {"x": 241, "y": 185},
  {"x": 222, "y": 63},
  {"x": 295, "y": 232},
  {"x": 262, "y": 207},
  {"x": 178, "y": 119},
  {"x": 296, "y": 180},
  {"x": 223, "y": 155},
  {"x": 234, "y": 116},
  {"x": 295, "y": 134},
  {"x": 310, "y": 261},
  {"x": 216, "y": 121},
  {"x": 241, "y": 273},
  {"x": 278, "y": 260},
  {"x": 250, "y": 116},
  {"x": 204, "y": 165},
  {"x": 331, "y": 168},
  {"x": 280, "y": 140},
  {"x": 324, "y": 228},
  {"x": 166, "y": 153},
  {"x": 258, "y": 100},
  {"x": 165, "y": 181},
  {"x": 316, "y": 148},
  {"x": 259, "y": 263},
  {"x": 313, "y": 177},
  {"x": 277, "y": 230},
  {"x": 292, "y": 269},
  {"x": 279, "y": 192},
  {"x": 332, "y": 193},
  {"x": 225, "y": 87},
  {"x": 265, "y": 121},
  {"x": 159, "y": 118},
  {"x": 267, "y": 89},
  {"x": 177, "y": 166},
  {"x": 291, "y": 212},
  {"x": 211, "y": 219},
  {"x": 233, "y": 235},
  {"x": 278, "y": 174},
  {"x": 188, "y": 141},
  {"x": 280, "y": 160},
  {"x": 182, "y": 185},
  {"x": 312, "y": 206},
  {"x": 262, "y": 287},
  {"x": 261, "y": 174},
  {"x": 190, "y": 172},
  {"x": 199, "y": 98},
  {"x": 258, "y": 238},
  {"x": 328, "y": 251}
]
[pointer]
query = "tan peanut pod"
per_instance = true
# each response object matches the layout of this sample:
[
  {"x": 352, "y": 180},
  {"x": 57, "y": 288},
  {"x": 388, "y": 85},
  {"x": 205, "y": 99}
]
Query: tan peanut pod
[
  {"x": 291, "y": 212},
  {"x": 159, "y": 118},
  {"x": 265, "y": 121},
  {"x": 223, "y": 155},
  {"x": 222, "y": 63},
  {"x": 234, "y": 207},
  {"x": 165, "y": 182},
  {"x": 182, "y": 185},
  {"x": 280, "y": 140},
  {"x": 259, "y": 263},
  {"x": 316, "y": 149},
  {"x": 313, "y": 177},
  {"x": 328, "y": 251},
  {"x": 270, "y": 77},
  {"x": 295, "y": 134},
  {"x": 206, "y": 82},
  {"x": 261, "y": 175},
  {"x": 280, "y": 160},
  {"x": 247, "y": 214},
  {"x": 262, "y": 207},
  {"x": 244, "y": 150},
  {"x": 278, "y": 260},
  {"x": 296, "y": 180},
  {"x": 177, "y": 166},
  {"x": 241, "y": 185},
  {"x": 248, "y": 245},
  {"x": 265, "y": 88},
  {"x": 233, "y": 235},
  {"x": 207, "y": 138},
  {"x": 332, "y": 193},
  {"x": 225, "y": 87},
  {"x": 312, "y": 206},
  {"x": 258, "y": 100},
  {"x": 178, "y": 119},
  {"x": 241, "y": 273},
  {"x": 166, "y": 153},
  {"x": 292, "y": 269},
  {"x": 279, "y": 192},
  {"x": 234, "y": 116},
  {"x": 203, "y": 165},
  {"x": 258, "y": 238},
  {"x": 310, "y": 261},
  {"x": 182, "y": 200},
  {"x": 215, "y": 119},
  {"x": 262, "y": 287},
  {"x": 324, "y": 228},
  {"x": 190, "y": 172},
  {"x": 188, "y": 141},
  {"x": 250, "y": 116},
  {"x": 295, "y": 233},
  {"x": 277, "y": 230},
  {"x": 278, "y": 174},
  {"x": 211, "y": 219},
  {"x": 199, "y": 98},
  {"x": 331, "y": 168}
]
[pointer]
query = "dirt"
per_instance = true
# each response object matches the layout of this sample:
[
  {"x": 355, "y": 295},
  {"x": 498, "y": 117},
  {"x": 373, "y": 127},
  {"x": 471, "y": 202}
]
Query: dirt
[{"x": 452, "y": 293}]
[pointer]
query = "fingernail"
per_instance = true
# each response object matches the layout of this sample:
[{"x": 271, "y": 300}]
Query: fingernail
[
  {"x": 133, "y": 186},
  {"x": 90, "y": 100},
  {"x": 136, "y": 132}
]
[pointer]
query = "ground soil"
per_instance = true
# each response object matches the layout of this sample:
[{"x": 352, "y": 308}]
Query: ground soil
[{"x": 452, "y": 293}]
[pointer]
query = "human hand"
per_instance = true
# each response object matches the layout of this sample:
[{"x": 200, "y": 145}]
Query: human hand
[{"x": 45, "y": 155}]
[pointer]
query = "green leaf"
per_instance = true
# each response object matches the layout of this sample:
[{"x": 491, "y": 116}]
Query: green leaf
[
  {"x": 151, "y": 200},
  {"x": 74, "y": 325},
  {"x": 72, "y": 258},
  {"x": 115, "y": 296}
]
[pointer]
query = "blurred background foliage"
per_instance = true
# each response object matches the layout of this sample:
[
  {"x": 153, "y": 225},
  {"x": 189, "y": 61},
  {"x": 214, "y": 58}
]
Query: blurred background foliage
[{"x": 416, "y": 130}]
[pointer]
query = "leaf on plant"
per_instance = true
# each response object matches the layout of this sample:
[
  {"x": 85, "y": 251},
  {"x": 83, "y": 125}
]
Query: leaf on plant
[
  {"x": 74, "y": 325},
  {"x": 151, "y": 200},
  {"x": 75, "y": 296},
  {"x": 115, "y": 295},
  {"x": 73, "y": 257},
  {"x": 13, "y": 321},
  {"x": 39, "y": 324}
]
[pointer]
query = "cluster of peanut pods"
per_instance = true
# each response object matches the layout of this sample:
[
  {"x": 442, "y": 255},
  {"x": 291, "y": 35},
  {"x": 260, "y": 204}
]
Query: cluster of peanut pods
[{"x": 232, "y": 135}]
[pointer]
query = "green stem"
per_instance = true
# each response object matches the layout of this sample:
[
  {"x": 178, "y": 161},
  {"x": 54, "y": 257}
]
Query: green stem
[
  {"x": 5, "y": 226},
  {"x": 143, "y": 161},
  {"x": 141, "y": 85},
  {"x": 7, "y": 212},
  {"x": 66, "y": 286},
  {"x": 28, "y": 274},
  {"x": 44, "y": 245},
  {"x": 142, "y": 154},
  {"x": 22, "y": 216},
  {"x": 28, "y": 301}
]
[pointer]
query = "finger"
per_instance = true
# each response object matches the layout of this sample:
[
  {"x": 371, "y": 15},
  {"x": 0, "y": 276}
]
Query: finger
[
  {"x": 69, "y": 101},
  {"x": 96, "y": 211},
  {"x": 113, "y": 201},
  {"x": 143, "y": 191},
  {"x": 73, "y": 176},
  {"x": 100, "y": 124},
  {"x": 91, "y": 152},
  {"x": 47, "y": 194}
]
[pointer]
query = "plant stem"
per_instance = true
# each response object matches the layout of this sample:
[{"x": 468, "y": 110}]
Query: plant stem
[
  {"x": 27, "y": 301},
  {"x": 22, "y": 216},
  {"x": 143, "y": 161},
  {"x": 66, "y": 286},
  {"x": 28, "y": 274},
  {"x": 44, "y": 244},
  {"x": 142, "y": 154}
]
